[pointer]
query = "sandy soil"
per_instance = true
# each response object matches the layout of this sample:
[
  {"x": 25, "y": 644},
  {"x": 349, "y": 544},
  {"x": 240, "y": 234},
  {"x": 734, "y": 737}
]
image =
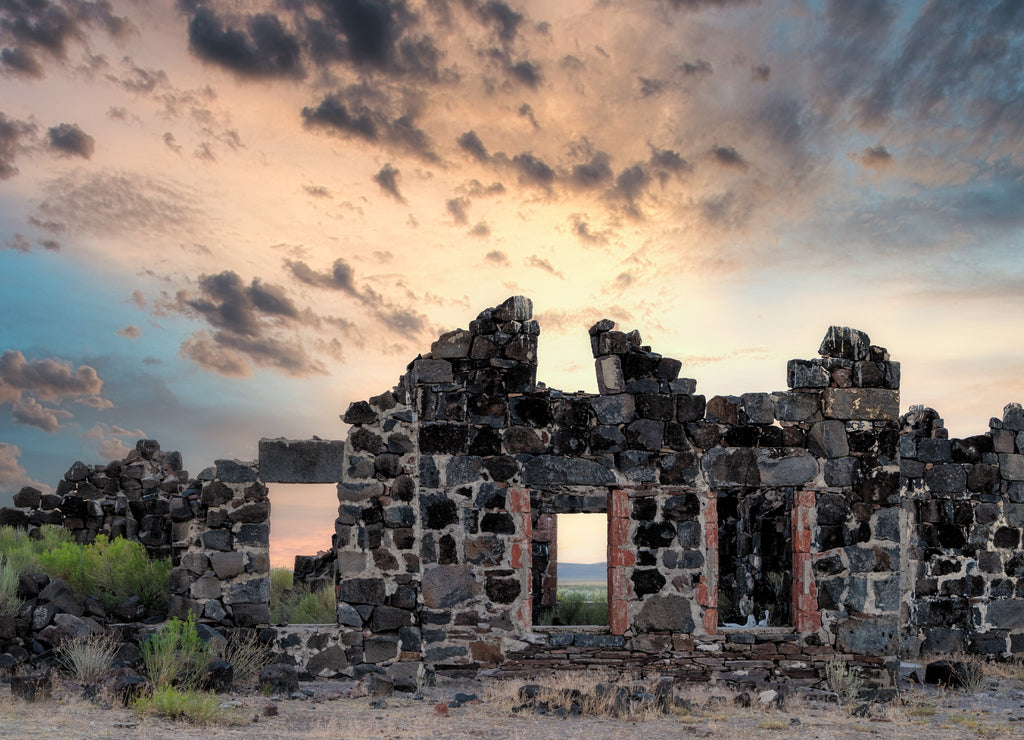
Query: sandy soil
[{"x": 333, "y": 712}]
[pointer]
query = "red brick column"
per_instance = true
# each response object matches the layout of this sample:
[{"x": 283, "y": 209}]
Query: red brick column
[
  {"x": 806, "y": 615},
  {"x": 707, "y": 589},
  {"x": 620, "y": 557},
  {"x": 519, "y": 508}
]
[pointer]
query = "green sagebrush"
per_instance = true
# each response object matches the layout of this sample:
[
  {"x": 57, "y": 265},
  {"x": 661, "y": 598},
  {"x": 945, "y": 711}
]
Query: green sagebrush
[{"x": 111, "y": 570}]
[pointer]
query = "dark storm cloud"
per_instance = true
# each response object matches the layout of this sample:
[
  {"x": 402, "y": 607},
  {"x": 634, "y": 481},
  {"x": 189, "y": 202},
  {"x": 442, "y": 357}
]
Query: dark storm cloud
[
  {"x": 631, "y": 182},
  {"x": 405, "y": 321},
  {"x": 957, "y": 59},
  {"x": 20, "y": 61},
  {"x": 760, "y": 73},
  {"x": 459, "y": 209},
  {"x": 471, "y": 143},
  {"x": 595, "y": 173},
  {"x": 41, "y": 26},
  {"x": 387, "y": 178},
  {"x": 502, "y": 19},
  {"x": 533, "y": 170},
  {"x": 255, "y": 323},
  {"x": 666, "y": 163},
  {"x": 264, "y": 49},
  {"x": 698, "y": 68},
  {"x": 339, "y": 277},
  {"x": 70, "y": 140},
  {"x": 875, "y": 157},
  {"x": 227, "y": 303},
  {"x": 365, "y": 113},
  {"x": 526, "y": 72},
  {"x": 13, "y": 139},
  {"x": 651, "y": 86},
  {"x": 727, "y": 156}
]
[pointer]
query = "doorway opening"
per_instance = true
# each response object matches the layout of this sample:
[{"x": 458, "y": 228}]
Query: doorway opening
[
  {"x": 755, "y": 557},
  {"x": 302, "y": 554},
  {"x": 572, "y": 584}
]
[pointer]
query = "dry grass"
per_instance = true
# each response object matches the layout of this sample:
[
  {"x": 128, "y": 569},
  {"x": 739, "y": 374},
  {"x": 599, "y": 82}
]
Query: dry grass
[
  {"x": 88, "y": 658},
  {"x": 247, "y": 657}
]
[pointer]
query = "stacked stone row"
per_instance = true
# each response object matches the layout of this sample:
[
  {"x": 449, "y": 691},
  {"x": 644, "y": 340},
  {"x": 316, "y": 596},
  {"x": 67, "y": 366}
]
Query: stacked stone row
[
  {"x": 221, "y": 540},
  {"x": 965, "y": 498},
  {"x": 126, "y": 498},
  {"x": 377, "y": 540}
]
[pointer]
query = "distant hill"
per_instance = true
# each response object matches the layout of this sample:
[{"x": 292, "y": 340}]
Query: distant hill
[{"x": 570, "y": 573}]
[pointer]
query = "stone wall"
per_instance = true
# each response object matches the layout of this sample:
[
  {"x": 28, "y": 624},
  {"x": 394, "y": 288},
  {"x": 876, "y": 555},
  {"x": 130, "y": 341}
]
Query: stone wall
[{"x": 861, "y": 533}]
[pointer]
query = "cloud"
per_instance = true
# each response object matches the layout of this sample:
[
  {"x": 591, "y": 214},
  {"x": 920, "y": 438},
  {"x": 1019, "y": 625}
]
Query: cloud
[
  {"x": 459, "y": 209},
  {"x": 70, "y": 140},
  {"x": 592, "y": 174},
  {"x": 481, "y": 229},
  {"x": 51, "y": 379},
  {"x": 20, "y": 61},
  {"x": 542, "y": 264},
  {"x": 13, "y": 136},
  {"x": 760, "y": 72},
  {"x": 203, "y": 350},
  {"x": 526, "y": 111},
  {"x": 30, "y": 412},
  {"x": 13, "y": 477},
  {"x": 875, "y": 157},
  {"x": 470, "y": 142},
  {"x": 727, "y": 156},
  {"x": 526, "y": 72},
  {"x": 387, "y": 178},
  {"x": 363, "y": 112},
  {"x": 582, "y": 229},
  {"x": 503, "y": 20},
  {"x": 117, "y": 202},
  {"x": 129, "y": 332},
  {"x": 264, "y": 49},
  {"x": 317, "y": 191},
  {"x": 338, "y": 278},
  {"x": 18, "y": 243},
  {"x": 533, "y": 170},
  {"x": 496, "y": 257},
  {"x": 699, "y": 68},
  {"x": 227, "y": 303}
]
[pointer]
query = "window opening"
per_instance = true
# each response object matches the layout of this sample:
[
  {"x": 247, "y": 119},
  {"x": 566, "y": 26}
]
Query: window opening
[
  {"x": 302, "y": 554},
  {"x": 572, "y": 583},
  {"x": 755, "y": 557}
]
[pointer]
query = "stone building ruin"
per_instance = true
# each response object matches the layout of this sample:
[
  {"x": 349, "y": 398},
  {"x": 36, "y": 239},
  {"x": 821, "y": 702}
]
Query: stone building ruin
[{"x": 844, "y": 527}]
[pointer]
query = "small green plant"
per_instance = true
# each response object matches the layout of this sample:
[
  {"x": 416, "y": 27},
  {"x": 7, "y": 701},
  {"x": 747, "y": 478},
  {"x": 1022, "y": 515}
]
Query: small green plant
[
  {"x": 842, "y": 680},
  {"x": 574, "y": 609},
  {"x": 176, "y": 655},
  {"x": 247, "y": 656},
  {"x": 190, "y": 705},
  {"x": 111, "y": 570},
  {"x": 9, "y": 601},
  {"x": 22, "y": 552},
  {"x": 88, "y": 658},
  {"x": 297, "y": 604}
]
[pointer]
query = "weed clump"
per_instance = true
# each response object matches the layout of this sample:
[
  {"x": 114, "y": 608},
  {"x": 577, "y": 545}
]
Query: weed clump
[
  {"x": 297, "y": 604},
  {"x": 842, "y": 680},
  {"x": 88, "y": 658},
  {"x": 176, "y": 655}
]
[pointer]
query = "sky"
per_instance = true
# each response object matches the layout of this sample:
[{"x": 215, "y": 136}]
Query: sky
[{"x": 221, "y": 221}]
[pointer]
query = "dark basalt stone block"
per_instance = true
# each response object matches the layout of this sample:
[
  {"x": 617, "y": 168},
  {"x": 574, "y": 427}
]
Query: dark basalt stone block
[
  {"x": 647, "y": 582},
  {"x": 443, "y": 439},
  {"x": 438, "y": 511}
]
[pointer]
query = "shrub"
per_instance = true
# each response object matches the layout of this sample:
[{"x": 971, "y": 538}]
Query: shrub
[
  {"x": 88, "y": 657},
  {"x": 197, "y": 707},
  {"x": 247, "y": 656},
  {"x": 573, "y": 609},
  {"x": 842, "y": 680},
  {"x": 22, "y": 552},
  {"x": 298, "y": 604},
  {"x": 9, "y": 601},
  {"x": 110, "y": 570},
  {"x": 176, "y": 654}
]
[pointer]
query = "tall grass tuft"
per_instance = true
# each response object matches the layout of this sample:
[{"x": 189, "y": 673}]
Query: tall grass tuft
[
  {"x": 247, "y": 656},
  {"x": 9, "y": 601},
  {"x": 297, "y": 604},
  {"x": 88, "y": 658},
  {"x": 842, "y": 680}
]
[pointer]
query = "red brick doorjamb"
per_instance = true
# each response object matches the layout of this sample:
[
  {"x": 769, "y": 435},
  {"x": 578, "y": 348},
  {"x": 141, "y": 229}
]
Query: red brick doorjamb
[
  {"x": 707, "y": 588},
  {"x": 519, "y": 507},
  {"x": 620, "y": 557}
]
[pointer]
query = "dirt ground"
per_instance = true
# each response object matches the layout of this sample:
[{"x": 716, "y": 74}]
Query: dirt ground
[{"x": 333, "y": 710}]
